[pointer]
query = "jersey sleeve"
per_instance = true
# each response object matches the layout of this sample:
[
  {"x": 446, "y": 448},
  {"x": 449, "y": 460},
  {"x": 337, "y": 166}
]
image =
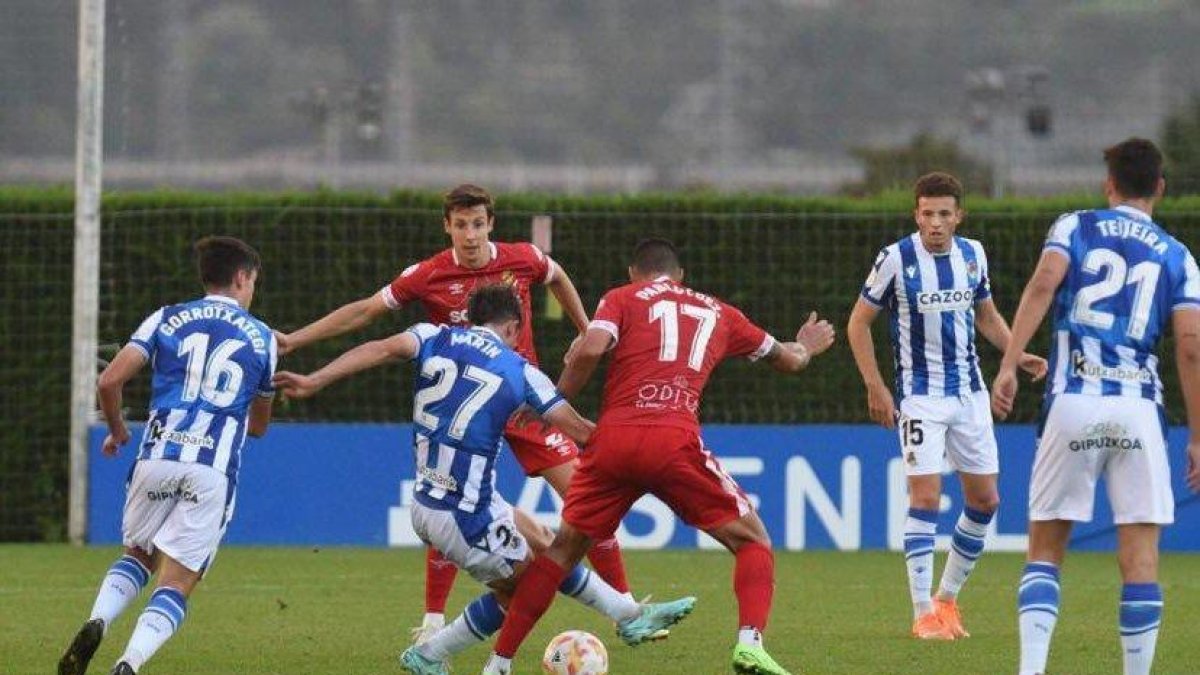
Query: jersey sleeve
[
  {"x": 745, "y": 338},
  {"x": 145, "y": 338},
  {"x": 1059, "y": 238},
  {"x": 266, "y": 388},
  {"x": 880, "y": 285},
  {"x": 1186, "y": 294},
  {"x": 608, "y": 315},
  {"x": 983, "y": 288},
  {"x": 408, "y": 287},
  {"x": 540, "y": 392},
  {"x": 541, "y": 264}
]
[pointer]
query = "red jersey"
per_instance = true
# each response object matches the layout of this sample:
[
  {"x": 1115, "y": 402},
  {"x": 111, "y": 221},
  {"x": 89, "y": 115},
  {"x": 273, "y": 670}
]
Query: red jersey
[
  {"x": 443, "y": 285},
  {"x": 669, "y": 340}
]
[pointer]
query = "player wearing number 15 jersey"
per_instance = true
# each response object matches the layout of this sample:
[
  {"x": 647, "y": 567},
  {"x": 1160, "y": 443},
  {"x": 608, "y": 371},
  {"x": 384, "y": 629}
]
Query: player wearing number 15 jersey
[
  {"x": 212, "y": 362},
  {"x": 469, "y": 383},
  {"x": 934, "y": 285},
  {"x": 1115, "y": 278},
  {"x": 665, "y": 340}
]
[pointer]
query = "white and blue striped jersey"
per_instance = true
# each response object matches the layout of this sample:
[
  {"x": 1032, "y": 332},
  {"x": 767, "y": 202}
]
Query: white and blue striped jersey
[
  {"x": 210, "y": 358},
  {"x": 1126, "y": 276},
  {"x": 931, "y": 301},
  {"x": 468, "y": 384}
]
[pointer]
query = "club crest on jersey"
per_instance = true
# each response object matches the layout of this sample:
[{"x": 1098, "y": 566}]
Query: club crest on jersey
[
  {"x": 973, "y": 271},
  {"x": 508, "y": 277}
]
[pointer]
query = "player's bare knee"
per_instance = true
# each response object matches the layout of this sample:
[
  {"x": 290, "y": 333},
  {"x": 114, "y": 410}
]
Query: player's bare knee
[
  {"x": 985, "y": 504},
  {"x": 569, "y": 547},
  {"x": 1138, "y": 565}
]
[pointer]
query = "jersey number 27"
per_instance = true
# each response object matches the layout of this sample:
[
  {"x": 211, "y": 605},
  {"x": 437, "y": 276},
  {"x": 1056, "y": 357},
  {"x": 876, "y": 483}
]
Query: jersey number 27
[{"x": 444, "y": 373}]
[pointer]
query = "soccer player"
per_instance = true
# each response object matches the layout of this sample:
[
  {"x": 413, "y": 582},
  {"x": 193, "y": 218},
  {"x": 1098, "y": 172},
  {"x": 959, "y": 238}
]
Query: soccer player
[
  {"x": 212, "y": 365},
  {"x": 935, "y": 286},
  {"x": 1115, "y": 278},
  {"x": 665, "y": 339},
  {"x": 442, "y": 284},
  {"x": 470, "y": 382}
]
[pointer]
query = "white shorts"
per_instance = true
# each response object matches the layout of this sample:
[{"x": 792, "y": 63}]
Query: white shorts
[
  {"x": 940, "y": 431},
  {"x": 179, "y": 508},
  {"x": 491, "y": 557},
  {"x": 1084, "y": 437}
]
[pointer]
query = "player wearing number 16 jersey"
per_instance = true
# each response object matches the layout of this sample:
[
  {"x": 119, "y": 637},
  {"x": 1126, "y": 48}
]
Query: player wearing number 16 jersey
[
  {"x": 469, "y": 383},
  {"x": 212, "y": 363},
  {"x": 1115, "y": 278},
  {"x": 665, "y": 340}
]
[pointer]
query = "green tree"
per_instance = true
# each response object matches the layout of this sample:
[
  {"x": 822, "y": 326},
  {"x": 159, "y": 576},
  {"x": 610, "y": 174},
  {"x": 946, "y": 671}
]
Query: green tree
[{"x": 897, "y": 168}]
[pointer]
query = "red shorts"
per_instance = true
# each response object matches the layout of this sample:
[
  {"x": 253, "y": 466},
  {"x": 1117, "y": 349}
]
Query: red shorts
[
  {"x": 537, "y": 450},
  {"x": 622, "y": 463}
]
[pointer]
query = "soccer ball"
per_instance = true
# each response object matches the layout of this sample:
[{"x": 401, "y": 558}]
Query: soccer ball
[{"x": 575, "y": 652}]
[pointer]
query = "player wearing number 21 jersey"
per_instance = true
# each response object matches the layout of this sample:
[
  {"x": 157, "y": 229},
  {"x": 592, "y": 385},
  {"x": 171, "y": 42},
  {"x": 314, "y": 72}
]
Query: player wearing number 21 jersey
[
  {"x": 1114, "y": 278},
  {"x": 469, "y": 383},
  {"x": 665, "y": 339},
  {"x": 212, "y": 365}
]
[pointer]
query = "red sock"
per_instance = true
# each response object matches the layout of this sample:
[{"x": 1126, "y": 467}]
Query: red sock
[
  {"x": 754, "y": 584},
  {"x": 439, "y": 579},
  {"x": 605, "y": 557},
  {"x": 535, "y": 591}
]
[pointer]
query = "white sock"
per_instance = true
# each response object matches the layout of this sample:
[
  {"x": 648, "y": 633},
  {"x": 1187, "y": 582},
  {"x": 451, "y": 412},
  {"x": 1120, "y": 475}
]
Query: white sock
[
  {"x": 434, "y": 619},
  {"x": 751, "y": 637},
  {"x": 125, "y": 579},
  {"x": 588, "y": 588},
  {"x": 1140, "y": 617},
  {"x": 919, "y": 529},
  {"x": 158, "y": 622},
  {"x": 1037, "y": 614},
  {"x": 970, "y": 533},
  {"x": 449, "y": 640},
  {"x": 498, "y": 664}
]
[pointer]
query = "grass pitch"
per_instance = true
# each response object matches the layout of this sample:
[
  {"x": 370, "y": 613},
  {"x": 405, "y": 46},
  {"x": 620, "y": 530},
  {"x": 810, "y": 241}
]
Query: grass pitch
[{"x": 293, "y": 611}]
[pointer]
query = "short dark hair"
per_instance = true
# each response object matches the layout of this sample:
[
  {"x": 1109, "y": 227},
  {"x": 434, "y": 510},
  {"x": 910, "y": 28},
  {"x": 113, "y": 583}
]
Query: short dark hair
[
  {"x": 655, "y": 255},
  {"x": 494, "y": 303},
  {"x": 467, "y": 196},
  {"x": 1135, "y": 166},
  {"x": 938, "y": 184},
  {"x": 220, "y": 258}
]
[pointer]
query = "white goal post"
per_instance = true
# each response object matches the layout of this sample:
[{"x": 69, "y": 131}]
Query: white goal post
[{"x": 86, "y": 283}]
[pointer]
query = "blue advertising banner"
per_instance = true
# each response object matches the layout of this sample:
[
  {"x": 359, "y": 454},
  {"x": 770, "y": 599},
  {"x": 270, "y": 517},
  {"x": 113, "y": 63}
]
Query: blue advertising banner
[{"x": 816, "y": 487}]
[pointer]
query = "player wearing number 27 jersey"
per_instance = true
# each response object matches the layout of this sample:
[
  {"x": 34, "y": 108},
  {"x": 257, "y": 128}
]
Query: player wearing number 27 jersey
[{"x": 1114, "y": 278}]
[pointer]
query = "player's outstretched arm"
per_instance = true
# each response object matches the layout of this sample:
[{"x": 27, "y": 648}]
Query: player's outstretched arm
[
  {"x": 880, "y": 404},
  {"x": 402, "y": 346},
  {"x": 1186, "y": 325},
  {"x": 127, "y": 363},
  {"x": 813, "y": 338},
  {"x": 564, "y": 291},
  {"x": 349, "y": 317},
  {"x": 1035, "y": 302},
  {"x": 583, "y": 361},
  {"x": 566, "y": 419}
]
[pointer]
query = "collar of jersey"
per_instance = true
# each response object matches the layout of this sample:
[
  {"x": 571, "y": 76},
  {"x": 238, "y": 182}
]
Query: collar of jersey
[
  {"x": 662, "y": 277},
  {"x": 1132, "y": 210},
  {"x": 920, "y": 244},
  {"x": 493, "y": 333},
  {"x": 222, "y": 298},
  {"x": 491, "y": 247}
]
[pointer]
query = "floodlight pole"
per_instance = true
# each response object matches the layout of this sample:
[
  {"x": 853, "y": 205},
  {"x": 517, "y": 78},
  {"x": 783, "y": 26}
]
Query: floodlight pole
[{"x": 86, "y": 283}]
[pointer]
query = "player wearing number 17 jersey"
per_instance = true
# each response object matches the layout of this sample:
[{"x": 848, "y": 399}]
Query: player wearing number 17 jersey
[
  {"x": 1115, "y": 278},
  {"x": 665, "y": 340},
  {"x": 212, "y": 363}
]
